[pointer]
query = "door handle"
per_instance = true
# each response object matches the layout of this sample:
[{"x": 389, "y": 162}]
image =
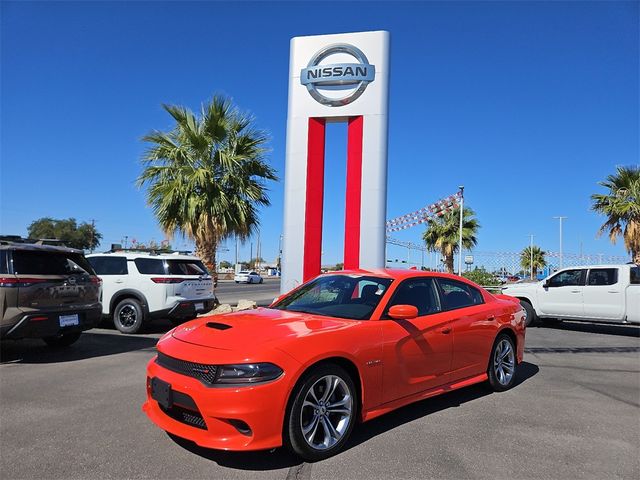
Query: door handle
[
  {"x": 119, "y": 281},
  {"x": 575, "y": 291},
  {"x": 613, "y": 291},
  {"x": 445, "y": 330}
]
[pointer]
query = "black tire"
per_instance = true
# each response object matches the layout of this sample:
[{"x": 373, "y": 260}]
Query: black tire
[
  {"x": 532, "y": 318},
  {"x": 62, "y": 340},
  {"x": 128, "y": 316},
  {"x": 503, "y": 360},
  {"x": 261, "y": 279},
  {"x": 294, "y": 420},
  {"x": 237, "y": 281}
]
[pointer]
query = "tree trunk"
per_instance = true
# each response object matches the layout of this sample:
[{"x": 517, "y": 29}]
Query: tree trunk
[
  {"x": 448, "y": 260},
  {"x": 206, "y": 250}
]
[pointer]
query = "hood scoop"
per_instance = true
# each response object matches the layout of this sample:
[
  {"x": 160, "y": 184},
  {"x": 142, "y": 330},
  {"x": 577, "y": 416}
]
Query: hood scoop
[{"x": 218, "y": 326}]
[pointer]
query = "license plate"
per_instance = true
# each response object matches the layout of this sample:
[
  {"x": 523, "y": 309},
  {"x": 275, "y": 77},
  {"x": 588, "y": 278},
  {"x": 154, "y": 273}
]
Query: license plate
[
  {"x": 161, "y": 392},
  {"x": 199, "y": 306},
  {"x": 69, "y": 320}
]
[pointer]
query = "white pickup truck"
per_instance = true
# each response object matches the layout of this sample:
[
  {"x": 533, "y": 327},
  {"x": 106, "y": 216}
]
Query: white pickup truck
[{"x": 598, "y": 293}]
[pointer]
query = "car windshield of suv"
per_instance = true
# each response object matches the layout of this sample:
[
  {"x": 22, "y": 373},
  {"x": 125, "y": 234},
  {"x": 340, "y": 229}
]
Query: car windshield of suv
[
  {"x": 344, "y": 296},
  {"x": 50, "y": 263}
]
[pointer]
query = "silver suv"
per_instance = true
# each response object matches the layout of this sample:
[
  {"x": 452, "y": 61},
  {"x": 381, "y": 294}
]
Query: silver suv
[{"x": 46, "y": 292}]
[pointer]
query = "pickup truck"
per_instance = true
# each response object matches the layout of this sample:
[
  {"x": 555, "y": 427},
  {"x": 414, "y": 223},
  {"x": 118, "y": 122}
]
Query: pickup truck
[{"x": 597, "y": 293}]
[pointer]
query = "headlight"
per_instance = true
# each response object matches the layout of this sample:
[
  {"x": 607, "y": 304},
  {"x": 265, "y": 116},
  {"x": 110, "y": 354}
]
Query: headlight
[{"x": 247, "y": 373}]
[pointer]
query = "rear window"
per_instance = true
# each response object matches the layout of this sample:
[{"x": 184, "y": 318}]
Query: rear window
[
  {"x": 49, "y": 263},
  {"x": 635, "y": 276},
  {"x": 602, "y": 276},
  {"x": 109, "y": 265},
  {"x": 156, "y": 266}
]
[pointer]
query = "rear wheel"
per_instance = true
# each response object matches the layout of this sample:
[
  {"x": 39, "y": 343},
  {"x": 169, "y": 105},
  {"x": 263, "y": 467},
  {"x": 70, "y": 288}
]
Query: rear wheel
[
  {"x": 62, "y": 340},
  {"x": 531, "y": 313},
  {"x": 502, "y": 364},
  {"x": 261, "y": 279},
  {"x": 128, "y": 316},
  {"x": 322, "y": 415}
]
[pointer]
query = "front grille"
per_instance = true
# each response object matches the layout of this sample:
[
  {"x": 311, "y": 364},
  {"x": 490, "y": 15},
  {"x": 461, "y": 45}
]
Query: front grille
[
  {"x": 183, "y": 415},
  {"x": 203, "y": 372}
]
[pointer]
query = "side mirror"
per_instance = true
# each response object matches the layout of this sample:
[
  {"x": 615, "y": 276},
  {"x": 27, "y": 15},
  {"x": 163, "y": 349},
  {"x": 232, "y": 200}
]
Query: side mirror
[
  {"x": 403, "y": 312},
  {"x": 546, "y": 284}
]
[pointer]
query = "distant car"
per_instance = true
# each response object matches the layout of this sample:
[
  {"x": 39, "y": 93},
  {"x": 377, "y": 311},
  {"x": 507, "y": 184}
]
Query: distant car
[
  {"x": 46, "y": 292},
  {"x": 248, "y": 277},
  {"x": 342, "y": 348},
  {"x": 140, "y": 286}
]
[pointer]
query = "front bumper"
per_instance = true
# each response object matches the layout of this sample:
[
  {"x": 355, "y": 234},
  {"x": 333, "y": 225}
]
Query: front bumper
[
  {"x": 39, "y": 324},
  {"x": 220, "y": 417}
]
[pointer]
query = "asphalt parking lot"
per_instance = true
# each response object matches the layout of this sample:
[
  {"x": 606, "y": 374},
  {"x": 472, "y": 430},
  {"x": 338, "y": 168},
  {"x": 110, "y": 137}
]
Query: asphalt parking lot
[{"x": 574, "y": 414}]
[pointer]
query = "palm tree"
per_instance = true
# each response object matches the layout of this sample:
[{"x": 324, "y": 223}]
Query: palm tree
[
  {"x": 621, "y": 204},
  {"x": 443, "y": 234},
  {"x": 538, "y": 260},
  {"x": 206, "y": 176}
]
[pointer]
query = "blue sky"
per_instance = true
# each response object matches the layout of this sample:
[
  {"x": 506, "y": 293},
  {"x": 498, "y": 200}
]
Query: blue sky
[{"x": 528, "y": 104}]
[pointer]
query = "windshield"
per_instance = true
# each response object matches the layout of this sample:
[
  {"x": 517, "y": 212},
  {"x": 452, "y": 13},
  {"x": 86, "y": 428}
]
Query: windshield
[{"x": 342, "y": 296}]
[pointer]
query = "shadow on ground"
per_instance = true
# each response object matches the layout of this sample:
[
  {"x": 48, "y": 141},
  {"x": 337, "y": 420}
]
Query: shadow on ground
[
  {"x": 281, "y": 458},
  {"x": 621, "y": 330},
  {"x": 89, "y": 345}
]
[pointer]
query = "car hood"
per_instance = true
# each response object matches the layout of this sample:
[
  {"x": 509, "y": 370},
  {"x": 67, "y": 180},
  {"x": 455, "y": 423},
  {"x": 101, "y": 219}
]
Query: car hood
[{"x": 240, "y": 331}]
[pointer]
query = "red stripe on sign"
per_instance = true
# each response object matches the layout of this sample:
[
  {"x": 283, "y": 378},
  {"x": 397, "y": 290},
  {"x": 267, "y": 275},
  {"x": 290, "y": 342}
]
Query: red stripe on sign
[
  {"x": 354, "y": 194},
  {"x": 314, "y": 199}
]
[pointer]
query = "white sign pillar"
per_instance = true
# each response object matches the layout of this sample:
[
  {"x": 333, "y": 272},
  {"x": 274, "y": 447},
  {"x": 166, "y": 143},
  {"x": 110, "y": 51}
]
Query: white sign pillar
[{"x": 336, "y": 78}]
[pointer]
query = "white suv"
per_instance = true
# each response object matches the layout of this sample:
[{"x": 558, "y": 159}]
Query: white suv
[{"x": 140, "y": 286}]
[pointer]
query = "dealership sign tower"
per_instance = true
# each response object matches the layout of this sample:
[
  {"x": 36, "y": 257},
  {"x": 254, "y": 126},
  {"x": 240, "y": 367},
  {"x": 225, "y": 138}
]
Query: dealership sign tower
[{"x": 336, "y": 78}]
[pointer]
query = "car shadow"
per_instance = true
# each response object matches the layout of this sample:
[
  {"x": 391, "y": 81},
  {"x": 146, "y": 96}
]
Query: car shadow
[
  {"x": 90, "y": 345},
  {"x": 281, "y": 458},
  {"x": 605, "y": 329}
]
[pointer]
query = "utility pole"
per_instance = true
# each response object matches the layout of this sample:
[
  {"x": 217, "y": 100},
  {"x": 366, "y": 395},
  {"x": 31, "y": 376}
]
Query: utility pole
[
  {"x": 461, "y": 187},
  {"x": 93, "y": 229},
  {"x": 236, "y": 265},
  {"x": 561, "y": 218},
  {"x": 251, "y": 257},
  {"x": 531, "y": 252}
]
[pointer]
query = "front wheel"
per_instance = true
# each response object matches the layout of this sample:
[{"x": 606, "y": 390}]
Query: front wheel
[
  {"x": 502, "y": 364},
  {"x": 128, "y": 316},
  {"x": 62, "y": 340},
  {"x": 531, "y": 313},
  {"x": 323, "y": 413}
]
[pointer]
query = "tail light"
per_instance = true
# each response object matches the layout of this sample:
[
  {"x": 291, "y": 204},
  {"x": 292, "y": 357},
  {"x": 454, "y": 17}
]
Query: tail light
[
  {"x": 96, "y": 280},
  {"x": 167, "y": 280},
  {"x": 20, "y": 282}
]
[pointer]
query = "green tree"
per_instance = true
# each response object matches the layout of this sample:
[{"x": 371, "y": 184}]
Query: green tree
[
  {"x": 538, "y": 260},
  {"x": 621, "y": 206},
  {"x": 443, "y": 233},
  {"x": 225, "y": 264},
  {"x": 83, "y": 236},
  {"x": 481, "y": 277},
  {"x": 206, "y": 177}
]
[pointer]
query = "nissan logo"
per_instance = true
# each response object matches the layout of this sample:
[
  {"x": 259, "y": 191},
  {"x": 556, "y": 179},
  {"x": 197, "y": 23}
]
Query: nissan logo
[{"x": 338, "y": 76}]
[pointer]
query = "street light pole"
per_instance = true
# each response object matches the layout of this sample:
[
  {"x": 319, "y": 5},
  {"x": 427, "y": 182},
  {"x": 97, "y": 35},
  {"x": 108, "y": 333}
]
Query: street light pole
[
  {"x": 531, "y": 253},
  {"x": 461, "y": 187},
  {"x": 561, "y": 218}
]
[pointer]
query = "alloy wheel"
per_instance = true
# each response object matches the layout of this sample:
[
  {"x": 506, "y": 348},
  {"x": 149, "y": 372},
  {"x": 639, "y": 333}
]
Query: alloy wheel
[
  {"x": 326, "y": 412},
  {"x": 504, "y": 362},
  {"x": 127, "y": 316}
]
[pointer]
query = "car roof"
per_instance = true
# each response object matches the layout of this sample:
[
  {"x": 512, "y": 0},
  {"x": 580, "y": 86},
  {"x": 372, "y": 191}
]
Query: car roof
[
  {"x": 37, "y": 247},
  {"x": 396, "y": 273},
  {"x": 134, "y": 255}
]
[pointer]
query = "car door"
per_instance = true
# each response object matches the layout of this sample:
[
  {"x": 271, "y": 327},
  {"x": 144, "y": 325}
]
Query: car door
[
  {"x": 562, "y": 295},
  {"x": 474, "y": 327},
  {"x": 113, "y": 272},
  {"x": 416, "y": 352},
  {"x": 604, "y": 295}
]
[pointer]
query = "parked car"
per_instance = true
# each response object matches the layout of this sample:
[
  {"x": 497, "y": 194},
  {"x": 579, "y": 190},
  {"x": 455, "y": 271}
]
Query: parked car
[
  {"x": 46, "y": 292},
  {"x": 141, "y": 286},
  {"x": 247, "y": 276},
  {"x": 342, "y": 348},
  {"x": 596, "y": 293}
]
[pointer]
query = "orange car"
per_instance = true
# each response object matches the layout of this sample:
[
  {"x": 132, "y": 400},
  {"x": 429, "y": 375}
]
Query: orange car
[{"x": 342, "y": 348}]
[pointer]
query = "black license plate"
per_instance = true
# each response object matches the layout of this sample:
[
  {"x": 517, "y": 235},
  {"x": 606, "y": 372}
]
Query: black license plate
[{"x": 161, "y": 392}]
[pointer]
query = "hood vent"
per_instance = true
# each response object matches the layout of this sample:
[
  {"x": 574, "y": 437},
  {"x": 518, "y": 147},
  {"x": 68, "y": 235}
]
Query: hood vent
[{"x": 218, "y": 326}]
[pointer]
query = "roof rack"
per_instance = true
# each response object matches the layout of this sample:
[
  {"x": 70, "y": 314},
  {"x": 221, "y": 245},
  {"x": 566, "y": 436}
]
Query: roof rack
[{"x": 8, "y": 239}]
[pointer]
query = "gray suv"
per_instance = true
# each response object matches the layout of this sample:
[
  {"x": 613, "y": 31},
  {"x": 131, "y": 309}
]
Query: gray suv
[{"x": 46, "y": 292}]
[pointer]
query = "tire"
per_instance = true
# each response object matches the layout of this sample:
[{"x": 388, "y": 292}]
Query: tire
[
  {"x": 317, "y": 433},
  {"x": 502, "y": 364},
  {"x": 128, "y": 316},
  {"x": 237, "y": 281},
  {"x": 261, "y": 280},
  {"x": 532, "y": 318},
  {"x": 62, "y": 340}
]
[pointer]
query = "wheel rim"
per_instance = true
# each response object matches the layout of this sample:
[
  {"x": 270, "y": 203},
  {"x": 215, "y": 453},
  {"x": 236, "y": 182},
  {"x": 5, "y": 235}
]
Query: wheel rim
[
  {"x": 127, "y": 316},
  {"x": 504, "y": 362},
  {"x": 326, "y": 412}
]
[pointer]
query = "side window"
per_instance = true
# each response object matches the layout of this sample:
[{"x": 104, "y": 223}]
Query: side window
[
  {"x": 568, "y": 278},
  {"x": 419, "y": 292},
  {"x": 635, "y": 276},
  {"x": 4, "y": 266},
  {"x": 458, "y": 294},
  {"x": 602, "y": 276},
  {"x": 149, "y": 266},
  {"x": 109, "y": 265}
]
